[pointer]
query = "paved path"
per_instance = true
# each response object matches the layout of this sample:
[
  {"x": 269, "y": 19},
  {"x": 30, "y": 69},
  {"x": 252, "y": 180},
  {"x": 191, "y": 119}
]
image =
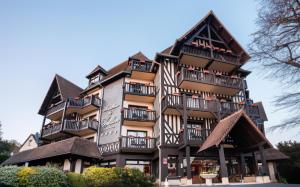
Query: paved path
[{"x": 247, "y": 185}]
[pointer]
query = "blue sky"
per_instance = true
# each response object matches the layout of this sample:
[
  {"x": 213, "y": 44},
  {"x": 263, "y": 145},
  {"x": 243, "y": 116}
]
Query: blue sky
[{"x": 41, "y": 38}]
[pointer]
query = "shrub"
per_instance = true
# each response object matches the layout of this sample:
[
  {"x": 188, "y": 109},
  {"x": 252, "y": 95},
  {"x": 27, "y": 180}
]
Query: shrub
[
  {"x": 46, "y": 176},
  {"x": 76, "y": 180},
  {"x": 100, "y": 177},
  {"x": 117, "y": 177},
  {"x": 8, "y": 175},
  {"x": 133, "y": 177},
  {"x": 23, "y": 174}
]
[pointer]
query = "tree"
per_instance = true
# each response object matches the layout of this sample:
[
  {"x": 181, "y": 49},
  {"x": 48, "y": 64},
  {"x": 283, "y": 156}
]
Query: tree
[
  {"x": 1, "y": 133},
  {"x": 276, "y": 45},
  {"x": 7, "y": 146},
  {"x": 290, "y": 169}
]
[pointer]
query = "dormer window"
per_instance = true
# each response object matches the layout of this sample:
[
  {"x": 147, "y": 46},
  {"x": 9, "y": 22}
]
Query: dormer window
[{"x": 95, "y": 79}]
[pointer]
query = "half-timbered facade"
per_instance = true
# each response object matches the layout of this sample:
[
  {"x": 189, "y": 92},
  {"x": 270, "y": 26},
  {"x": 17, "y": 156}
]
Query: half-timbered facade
[{"x": 187, "y": 112}]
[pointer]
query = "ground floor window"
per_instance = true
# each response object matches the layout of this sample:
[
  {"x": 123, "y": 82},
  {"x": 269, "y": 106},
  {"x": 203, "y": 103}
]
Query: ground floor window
[
  {"x": 142, "y": 165},
  {"x": 108, "y": 164}
]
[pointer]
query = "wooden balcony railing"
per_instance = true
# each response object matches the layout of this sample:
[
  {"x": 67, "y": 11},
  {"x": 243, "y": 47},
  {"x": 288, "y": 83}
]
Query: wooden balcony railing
[
  {"x": 210, "y": 78},
  {"x": 69, "y": 125},
  {"x": 140, "y": 66},
  {"x": 51, "y": 128},
  {"x": 195, "y": 103},
  {"x": 80, "y": 125},
  {"x": 213, "y": 106},
  {"x": 139, "y": 89},
  {"x": 137, "y": 143},
  {"x": 76, "y": 103},
  {"x": 194, "y": 135},
  {"x": 138, "y": 114},
  {"x": 205, "y": 53},
  {"x": 55, "y": 108}
]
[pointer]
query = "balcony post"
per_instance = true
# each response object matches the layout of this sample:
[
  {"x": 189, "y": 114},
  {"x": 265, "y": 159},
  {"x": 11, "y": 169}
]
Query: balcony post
[
  {"x": 242, "y": 158},
  {"x": 224, "y": 173},
  {"x": 43, "y": 124},
  {"x": 64, "y": 115},
  {"x": 185, "y": 134},
  {"x": 263, "y": 160},
  {"x": 188, "y": 163}
]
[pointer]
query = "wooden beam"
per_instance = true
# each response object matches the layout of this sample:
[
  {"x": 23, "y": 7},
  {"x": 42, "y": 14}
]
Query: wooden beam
[
  {"x": 263, "y": 160},
  {"x": 188, "y": 162},
  {"x": 224, "y": 172}
]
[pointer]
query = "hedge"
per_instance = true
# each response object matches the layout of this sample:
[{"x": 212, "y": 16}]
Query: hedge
[
  {"x": 92, "y": 177},
  {"x": 115, "y": 177},
  {"x": 76, "y": 180},
  {"x": 8, "y": 175}
]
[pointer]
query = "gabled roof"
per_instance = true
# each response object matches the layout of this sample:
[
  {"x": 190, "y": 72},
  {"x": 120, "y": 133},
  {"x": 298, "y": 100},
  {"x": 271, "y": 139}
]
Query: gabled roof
[
  {"x": 167, "y": 50},
  {"x": 120, "y": 70},
  {"x": 245, "y": 129},
  {"x": 140, "y": 56},
  {"x": 75, "y": 146},
  {"x": 35, "y": 138},
  {"x": 224, "y": 33},
  {"x": 97, "y": 69},
  {"x": 66, "y": 88}
]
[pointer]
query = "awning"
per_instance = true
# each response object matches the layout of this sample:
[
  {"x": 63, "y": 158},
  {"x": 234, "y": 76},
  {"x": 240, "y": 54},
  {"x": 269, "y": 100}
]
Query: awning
[
  {"x": 241, "y": 128},
  {"x": 74, "y": 146}
]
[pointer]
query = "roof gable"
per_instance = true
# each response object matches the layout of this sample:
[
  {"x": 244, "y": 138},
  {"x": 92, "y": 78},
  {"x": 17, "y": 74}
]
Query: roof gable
[
  {"x": 139, "y": 56},
  {"x": 62, "y": 89},
  {"x": 96, "y": 70},
  {"x": 242, "y": 127},
  {"x": 210, "y": 27}
]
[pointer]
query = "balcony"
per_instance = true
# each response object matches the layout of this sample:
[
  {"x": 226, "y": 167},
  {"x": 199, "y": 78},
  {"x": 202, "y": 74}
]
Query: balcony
[
  {"x": 206, "y": 108},
  {"x": 195, "y": 136},
  {"x": 138, "y": 117},
  {"x": 202, "y": 57},
  {"x": 139, "y": 92},
  {"x": 209, "y": 82},
  {"x": 80, "y": 128},
  {"x": 52, "y": 131},
  {"x": 137, "y": 144},
  {"x": 173, "y": 104},
  {"x": 81, "y": 106},
  {"x": 71, "y": 127},
  {"x": 141, "y": 70}
]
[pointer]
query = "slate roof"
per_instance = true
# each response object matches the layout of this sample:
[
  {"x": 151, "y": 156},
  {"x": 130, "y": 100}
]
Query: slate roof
[{"x": 74, "y": 146}]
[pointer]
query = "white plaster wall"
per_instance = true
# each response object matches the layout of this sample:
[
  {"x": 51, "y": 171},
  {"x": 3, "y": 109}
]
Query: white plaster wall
[
  {"x": 78, "y": 165},
  {"x": 29, "y": 144},
  {"x": 67, "y": 165}
]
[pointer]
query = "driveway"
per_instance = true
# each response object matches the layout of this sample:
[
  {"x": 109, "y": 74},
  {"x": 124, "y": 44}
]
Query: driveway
[{"x": 247, "y": 185}]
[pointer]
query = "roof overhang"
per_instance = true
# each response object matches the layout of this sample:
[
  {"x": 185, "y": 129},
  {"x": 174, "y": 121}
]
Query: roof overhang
[{"x": 241, "y": 128}]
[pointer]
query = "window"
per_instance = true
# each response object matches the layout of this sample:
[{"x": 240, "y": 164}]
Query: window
[
  {"x": 94, "y": 79},
  {"x": 136, "y": 133},
  {"x": 142, "y": 165}
]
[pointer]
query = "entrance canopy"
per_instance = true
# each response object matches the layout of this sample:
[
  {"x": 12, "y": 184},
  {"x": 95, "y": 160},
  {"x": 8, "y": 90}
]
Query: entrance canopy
[{"x": 241, "y": 129}]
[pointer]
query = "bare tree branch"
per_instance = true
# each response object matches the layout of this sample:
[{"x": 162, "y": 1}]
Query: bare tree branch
[{"x": 276, "y": 46}]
